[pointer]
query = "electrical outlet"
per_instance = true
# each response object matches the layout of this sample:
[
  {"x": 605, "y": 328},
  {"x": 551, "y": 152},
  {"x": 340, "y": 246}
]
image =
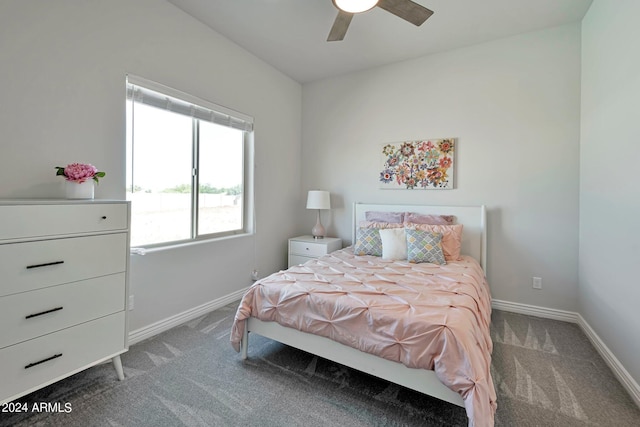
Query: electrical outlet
[
  {"x": 537, "y": 283},
  {"x": 130, "y": 302},
  {"x": 254, "y": 275}
]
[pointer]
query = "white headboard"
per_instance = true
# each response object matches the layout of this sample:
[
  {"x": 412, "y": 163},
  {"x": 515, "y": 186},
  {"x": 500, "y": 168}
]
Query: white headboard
[{"x": 474, "y": 219}]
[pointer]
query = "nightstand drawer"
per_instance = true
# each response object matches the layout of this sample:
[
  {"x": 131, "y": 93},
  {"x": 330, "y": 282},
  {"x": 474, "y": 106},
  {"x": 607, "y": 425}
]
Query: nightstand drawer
[
  {"x": 307, "y": 248},
  {"x": 34, "y": 265},
  {"x": 28, "y": 221},
  {"x": 32, "y": 314},
  {"x": 298, "y": 259},
  {"x": 304, "y": 248},
  {"x": 41, "y": 361}
]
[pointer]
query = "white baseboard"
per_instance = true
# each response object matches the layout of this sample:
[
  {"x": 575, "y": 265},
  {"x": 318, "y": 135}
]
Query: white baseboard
[
  {"x": 618, "y": 369},
  {"x": 610, "y": 359},
  {"x": 534, "y": 310},
  {"x": 180, "y": 318}
]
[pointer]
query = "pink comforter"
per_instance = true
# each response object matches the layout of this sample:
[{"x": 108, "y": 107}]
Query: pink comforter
[{"x": 425, "y": 316}]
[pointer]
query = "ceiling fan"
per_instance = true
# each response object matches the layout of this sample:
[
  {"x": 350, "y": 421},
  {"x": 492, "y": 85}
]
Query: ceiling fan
[{"x": 405, "y": 9}]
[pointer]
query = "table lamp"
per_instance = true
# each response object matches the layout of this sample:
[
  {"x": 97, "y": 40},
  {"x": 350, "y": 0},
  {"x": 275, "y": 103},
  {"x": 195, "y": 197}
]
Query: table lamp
[{"x": 317, "y": 199}]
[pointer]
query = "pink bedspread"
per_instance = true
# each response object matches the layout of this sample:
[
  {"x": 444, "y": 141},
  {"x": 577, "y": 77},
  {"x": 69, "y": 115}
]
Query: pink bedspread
[{"x": 425, "y": 316}]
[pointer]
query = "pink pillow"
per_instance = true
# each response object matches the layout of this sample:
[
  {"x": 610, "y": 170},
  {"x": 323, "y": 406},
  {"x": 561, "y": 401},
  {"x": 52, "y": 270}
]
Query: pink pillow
[
  {"x": 379, "y": 216},
  {"x": 418, "y": 218},
  {"x": 451, "y": 238},
  {"x": 381, "y": 225}
]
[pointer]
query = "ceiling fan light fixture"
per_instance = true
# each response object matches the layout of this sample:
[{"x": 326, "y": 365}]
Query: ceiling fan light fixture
[{"x": 355, "y": 6}]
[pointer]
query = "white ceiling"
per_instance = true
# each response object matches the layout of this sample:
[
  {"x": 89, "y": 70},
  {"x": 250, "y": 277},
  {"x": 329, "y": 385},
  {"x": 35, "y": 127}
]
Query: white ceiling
[{"x": 291, "y": 34}]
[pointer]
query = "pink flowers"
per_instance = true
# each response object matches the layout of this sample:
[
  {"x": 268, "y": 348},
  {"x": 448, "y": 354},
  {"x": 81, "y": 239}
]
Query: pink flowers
[{"x": 79, "y": 172}]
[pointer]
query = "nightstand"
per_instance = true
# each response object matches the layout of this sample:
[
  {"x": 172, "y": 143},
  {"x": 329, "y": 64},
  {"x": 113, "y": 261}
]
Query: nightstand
[{"x": 304, "y": 248}]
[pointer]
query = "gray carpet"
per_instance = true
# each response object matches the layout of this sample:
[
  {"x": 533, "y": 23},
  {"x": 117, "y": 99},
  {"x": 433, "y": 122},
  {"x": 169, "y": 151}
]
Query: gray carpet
[{"x": 546, "y": 374}]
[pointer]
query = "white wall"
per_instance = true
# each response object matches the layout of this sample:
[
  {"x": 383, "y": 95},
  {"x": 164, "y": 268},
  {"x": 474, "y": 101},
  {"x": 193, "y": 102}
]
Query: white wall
[
  {"x": 609, "y": 183},
  {"x": 513, "y": 104},
  {"x": 62, "y": 86}
]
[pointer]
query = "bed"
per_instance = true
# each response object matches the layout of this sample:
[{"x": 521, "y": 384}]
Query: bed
[{"x": 423, "y": 326}]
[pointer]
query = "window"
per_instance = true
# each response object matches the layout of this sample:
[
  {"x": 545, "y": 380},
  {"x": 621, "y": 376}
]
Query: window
[{"x": 187, "y": 164}]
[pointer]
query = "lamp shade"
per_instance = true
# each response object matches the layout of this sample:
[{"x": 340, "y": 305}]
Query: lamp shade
[{"x": 317, "y": 199}]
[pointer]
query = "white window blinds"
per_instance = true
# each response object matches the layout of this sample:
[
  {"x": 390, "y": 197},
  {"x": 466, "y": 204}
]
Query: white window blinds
[{"x": 166, "y": 98}]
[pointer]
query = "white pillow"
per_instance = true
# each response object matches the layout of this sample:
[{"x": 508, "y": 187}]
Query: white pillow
[{"x": 394, "y": 243}]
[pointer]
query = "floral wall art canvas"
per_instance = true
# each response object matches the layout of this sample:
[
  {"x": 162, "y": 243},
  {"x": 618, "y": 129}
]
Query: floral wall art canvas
[{"x": 425, "y": 164}]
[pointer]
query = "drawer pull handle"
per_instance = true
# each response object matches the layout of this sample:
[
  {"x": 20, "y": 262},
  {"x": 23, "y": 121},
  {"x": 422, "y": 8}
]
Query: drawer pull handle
[
  {"x": 43, "y": 312},
  {"x": 31, "y": 365},
  {"x": 104, "y": 217},
  {"x": 45, "y": 265}
]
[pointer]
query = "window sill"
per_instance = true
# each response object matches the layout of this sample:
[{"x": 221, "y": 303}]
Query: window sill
[{"x": 141, "y": 250}]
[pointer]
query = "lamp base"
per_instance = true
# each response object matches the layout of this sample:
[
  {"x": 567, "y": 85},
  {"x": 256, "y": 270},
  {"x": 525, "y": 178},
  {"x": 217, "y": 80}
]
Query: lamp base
[{"x": 318, "y": 231}]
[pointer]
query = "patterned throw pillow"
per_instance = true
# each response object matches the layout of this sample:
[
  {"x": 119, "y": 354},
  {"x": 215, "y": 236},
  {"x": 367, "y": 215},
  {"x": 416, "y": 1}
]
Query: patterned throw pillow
[
  {"x": 368, "y": 242},
  {"x": 451, "y": 238},
  {"x": 424, "y": 246}
]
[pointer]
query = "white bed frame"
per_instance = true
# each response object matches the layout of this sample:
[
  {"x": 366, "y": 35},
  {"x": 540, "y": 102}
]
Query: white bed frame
[{"x": 424, "y": 381}]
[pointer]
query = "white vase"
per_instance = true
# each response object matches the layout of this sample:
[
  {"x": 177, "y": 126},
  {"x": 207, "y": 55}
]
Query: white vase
[{"x": 77, "y": 190}]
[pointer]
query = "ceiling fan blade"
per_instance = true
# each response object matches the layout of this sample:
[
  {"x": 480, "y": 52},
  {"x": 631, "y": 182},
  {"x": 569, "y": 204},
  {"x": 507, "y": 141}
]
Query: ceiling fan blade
[
  {"x": 340, "y": 26},
  {"x": 407, "y": 10}
]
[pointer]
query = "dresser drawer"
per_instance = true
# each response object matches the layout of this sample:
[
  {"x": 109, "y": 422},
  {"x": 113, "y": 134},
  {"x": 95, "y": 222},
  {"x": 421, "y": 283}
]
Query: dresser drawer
[
  {"x": 35, "y": 363},
  {"x": 29, "y": 221},
  {"x": 307, "y": 249},
  {"x": 32, "y": 314},
  {"x": 34, "y": 265}
]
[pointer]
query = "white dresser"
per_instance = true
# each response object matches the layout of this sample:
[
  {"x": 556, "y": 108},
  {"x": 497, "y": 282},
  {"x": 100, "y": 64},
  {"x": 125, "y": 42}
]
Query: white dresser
[
  {"x": 304, "y": 248},
  {"x": 63, "y": 290}
]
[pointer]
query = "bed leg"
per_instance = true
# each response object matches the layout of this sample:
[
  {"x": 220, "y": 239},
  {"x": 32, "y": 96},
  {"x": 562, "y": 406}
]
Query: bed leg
[{"x": 244, "y": 344}]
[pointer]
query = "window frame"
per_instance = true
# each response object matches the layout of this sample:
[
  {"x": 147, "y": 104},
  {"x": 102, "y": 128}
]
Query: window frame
[{"x": 233, "y": 117}]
